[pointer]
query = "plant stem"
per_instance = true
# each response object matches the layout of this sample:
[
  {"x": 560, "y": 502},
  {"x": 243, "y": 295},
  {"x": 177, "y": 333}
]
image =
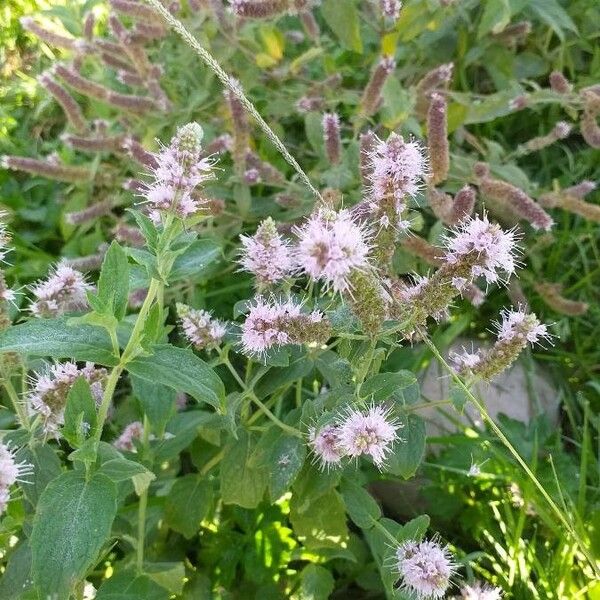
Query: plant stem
[
  {"x": 250, "y": 394},
  {"x": 502, "y": 437},
  {"x": 16, "y": 402},
  {"x": 141, "y": 528},
  {"x": 127, "y": 355}
]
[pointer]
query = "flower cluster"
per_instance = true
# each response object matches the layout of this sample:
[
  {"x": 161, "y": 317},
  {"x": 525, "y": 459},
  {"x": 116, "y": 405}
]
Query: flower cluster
[
  {"x": 11, "y": 471},
  {"x": 48, "y": 396},
  {"x": 515, "y": 331},
  {"x": 132, "y": 432},
  {"x": 480, "y": 591},
  {"x": 331, "y": 246},
  {"x": 425, "y": 568},
  {"x": 391, "y": 8},
  {"x": 356, "y": 433},
  {"x": 266, "y": 254},
  {"x": 179, "y": 168},
  {"x": 477, "y": 248},
  {"x": 65, "y": 290},
  {"x": 271, "y": 323},
  {"x": 398, "y": 168},
  {"x": 491, "y": 248},
  {"x": 199, "y": 327}
]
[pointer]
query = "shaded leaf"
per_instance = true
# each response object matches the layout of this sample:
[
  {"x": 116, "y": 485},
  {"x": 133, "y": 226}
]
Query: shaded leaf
[
  {"x": 187, "y": 504},
  {"x": 182, "y": 370},
  {"x": 71, "y": 524}
]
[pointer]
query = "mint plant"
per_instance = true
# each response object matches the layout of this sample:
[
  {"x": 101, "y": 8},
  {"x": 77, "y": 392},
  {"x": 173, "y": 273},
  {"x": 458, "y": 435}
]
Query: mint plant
[{"x": 209, "y": 411}]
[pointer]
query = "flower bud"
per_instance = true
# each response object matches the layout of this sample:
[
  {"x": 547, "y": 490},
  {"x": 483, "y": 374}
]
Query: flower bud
[
  {"x": 49, "y": 169},
  {"x": 517, "y": 201},
  {"x": 253, "y": 9},
  {"x": 551, "y": 294},
  {"x": 112, "y": 144},
  {"x": 371, "y": 97},
  {"x": 437, "y": 137},
  {"x": 50, "y": 37},
  {"x": 66, "y": 101},
  {"x": 436, "y": 79},
  {"x": 91, "y": 213},
  {"x": 331, "y": 137},
  {"x": 559, "y": 83}
]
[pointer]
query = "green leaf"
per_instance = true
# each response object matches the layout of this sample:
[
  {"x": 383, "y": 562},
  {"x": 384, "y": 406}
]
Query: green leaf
[
  {"x": 316, "y": 583},
  {"x": 241, "y": 483},
  {"x": 169, "y": 575},
  {"x": 408, "y": 452},
  {"x": 496, "y": 16},
  {"x": 127, "y": 585},
  {"x": 182, "y": 370},
  {"x": 141, "y": 481},
  {"x": 80, "y": 413},
  {"x": 113, "y": 284},
  {"x": 187, "y": 504},
  {"x": 194, "y": 262},
  {"x": 71, "y": 524},
  {"x": 342, "y": 18},
  {"x": 54, "y": 338},
  {"x": 321, "y": 523},
  {"x": 458, "y": 397},
  {"x": 554, "y": 15},
  {"x": 157, "y": 402},
  {"x": 46, "y": 467},
  {"x": 286, "y": 457},
  {"x": 360, "y": 505},
  {"x": 147, "y": 227},
  {"x": 122, "y": 469},
  {"x": 16, "y": 578},
  {"x": 415, "y": 529},
  {"x": 382, "y": 386}
]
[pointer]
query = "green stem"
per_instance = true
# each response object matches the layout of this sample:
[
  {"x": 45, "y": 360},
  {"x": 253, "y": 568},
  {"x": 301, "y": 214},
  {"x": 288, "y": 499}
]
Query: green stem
[
  {"x": 16, "y": 402},
  {"x": 139, "y": 562},
  {"x": 250, "y": 394},
  {"x": 141, "y": 526},
  {"x": 134, "y": 339},
  {"x": 502, "y": 437},
  {"x": 127, "y": 355}
]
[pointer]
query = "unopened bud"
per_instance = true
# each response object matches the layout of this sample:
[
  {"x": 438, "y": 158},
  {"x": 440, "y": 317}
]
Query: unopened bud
[
  {"x": 559, "y": 83},
  {"x": 437, "y": 137},
  {"x": 372, "y": 94},
  {"x": 66, "y": 101},
  {"x": 331, "y": 137},
  {"x": 49, "y": 169}
]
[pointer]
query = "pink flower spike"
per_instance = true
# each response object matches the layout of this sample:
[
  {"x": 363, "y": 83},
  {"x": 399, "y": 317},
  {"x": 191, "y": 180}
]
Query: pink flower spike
[
  {"x": 63, "y": 291},
  {"x": 132, "y": 432},
  {"x": 325, "y": 446},
  {"x": 371, "y": 432},
  {"x": 331, "y": 246},
  {"x": 271, "y": 323},
  {"x": 495, "y": 248},
  {"x": 397, "y": 167},
  {"x": 266, "y": 254},
  {"x": 425, "y": 568},
  {"x": 517, "y": 323}
]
